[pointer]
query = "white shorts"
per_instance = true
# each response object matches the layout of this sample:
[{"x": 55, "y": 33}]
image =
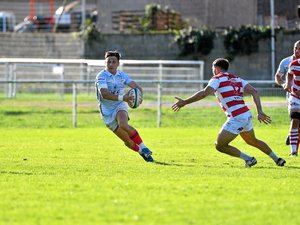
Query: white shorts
[
  {"x": 239, "y": 124},
  {"x": 293, "y": 103},
  {"x": 111, "y": 120}
]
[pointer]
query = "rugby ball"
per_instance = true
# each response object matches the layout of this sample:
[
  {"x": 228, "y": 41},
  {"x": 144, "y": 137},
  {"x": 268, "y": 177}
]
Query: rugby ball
[{"x": 137, "y": 98}]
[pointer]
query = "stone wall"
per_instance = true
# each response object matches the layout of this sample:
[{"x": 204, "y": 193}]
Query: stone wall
[
  {"x": 39, "y": 45},
  {"x": 159, "y": 46}
]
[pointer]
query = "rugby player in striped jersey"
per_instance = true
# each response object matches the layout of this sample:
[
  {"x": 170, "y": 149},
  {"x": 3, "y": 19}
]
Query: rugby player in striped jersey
[
  {"x": 282, "y": 72},
  {"x": 292, "y": 86},
  {"x": 229, "y": 90}
]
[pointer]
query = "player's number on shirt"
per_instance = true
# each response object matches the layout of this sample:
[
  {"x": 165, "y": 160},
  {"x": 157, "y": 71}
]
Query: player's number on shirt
[{"x": 236, "y": 89}]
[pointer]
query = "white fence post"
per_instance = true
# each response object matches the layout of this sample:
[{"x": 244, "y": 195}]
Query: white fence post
[
  {"x": 159, "y": 89},
  {"x": 74, "y": 105},
  {"x": 7, "y": 72}
]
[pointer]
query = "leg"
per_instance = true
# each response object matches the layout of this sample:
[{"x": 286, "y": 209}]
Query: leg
[
  {"x": 294, "y": 131},
  {"x": 122, "y": 118},
  {"x": 230, "y": 130},
  {"x": 222, "y": 143},
  {"x": 131, "y": 137},
  {"x": 250, "y": 139},
  {"x": 287, "y": 140},
  {"x": 131, "y": 132},
  {"x": 124, "y": 129},
  {"x": 294, "y": 136}
]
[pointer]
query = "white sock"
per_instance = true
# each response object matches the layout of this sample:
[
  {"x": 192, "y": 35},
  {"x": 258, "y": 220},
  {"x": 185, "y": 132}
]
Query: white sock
[
  {"x": 273, "y": 156},
  {"x": 142, "y": 145},
  {"x": 245, "y": 156},
  {"x": 294, "y": 136}
]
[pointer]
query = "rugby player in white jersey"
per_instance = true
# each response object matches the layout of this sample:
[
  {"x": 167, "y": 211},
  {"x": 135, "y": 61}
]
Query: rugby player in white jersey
[
  {"x": 110, "y": 84},
  {"x": 281, "y": 73},
  {"x": 229, "y": 90}
]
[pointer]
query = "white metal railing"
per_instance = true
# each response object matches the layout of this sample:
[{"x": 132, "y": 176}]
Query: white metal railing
[{"x": 30, "y": 69}]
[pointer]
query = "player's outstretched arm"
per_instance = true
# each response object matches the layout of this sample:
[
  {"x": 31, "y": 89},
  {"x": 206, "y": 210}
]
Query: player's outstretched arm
[
  {"x": 261, "y": 116},
  {"x": 196, "y": 97}
]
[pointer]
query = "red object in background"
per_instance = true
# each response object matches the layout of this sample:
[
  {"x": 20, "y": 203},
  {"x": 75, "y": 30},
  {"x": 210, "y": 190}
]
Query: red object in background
[{"x": 51, "y": 10}]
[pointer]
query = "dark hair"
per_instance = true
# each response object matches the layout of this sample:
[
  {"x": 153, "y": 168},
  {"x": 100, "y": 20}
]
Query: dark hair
[
  {"x": 222, "y": 63},
  {"x": 112, "y": 53}
]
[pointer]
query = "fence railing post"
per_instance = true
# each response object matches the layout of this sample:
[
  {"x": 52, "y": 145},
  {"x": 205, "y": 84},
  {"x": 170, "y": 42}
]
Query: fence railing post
[
  {"x": 74, "y": 105},
  {"x": 159, "y": 90},
  {"x": 7, "y": 77}
]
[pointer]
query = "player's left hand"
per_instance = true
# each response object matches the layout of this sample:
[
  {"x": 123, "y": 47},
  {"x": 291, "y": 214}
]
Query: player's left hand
[
  {"x": 179, "y": 104},
  {"x": 297, "y": 92},
  {"x": 127, "y": 98},
  {"x": 262, "y": 117}
]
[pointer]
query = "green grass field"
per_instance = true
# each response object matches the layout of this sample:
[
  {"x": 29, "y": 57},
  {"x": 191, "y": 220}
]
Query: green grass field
[{"x": 53, "y": 174}]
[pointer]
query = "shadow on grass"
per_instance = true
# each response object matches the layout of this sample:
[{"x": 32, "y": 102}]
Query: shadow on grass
[
  {"x": 293, "y": 167},
  {"x": 15, "y": 113},
  {"x": 271, "y": 167},
  {"x": 48, "y": 111},
  {"x": 171, "y": 164},
  {"x": 286, "y": 166},
  {"x": 16, "y": 173}
]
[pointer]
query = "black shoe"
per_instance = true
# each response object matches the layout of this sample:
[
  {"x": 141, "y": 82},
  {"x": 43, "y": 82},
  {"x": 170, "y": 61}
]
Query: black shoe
[
  {"x": 287, "y": 141},
  {"x": 251, "y": 162},
  {"x": 280, "y": 162},
  {"x": 293, "y": 154}
]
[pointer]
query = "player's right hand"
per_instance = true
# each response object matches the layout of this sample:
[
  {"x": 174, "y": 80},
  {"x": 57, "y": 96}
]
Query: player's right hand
[
  {"x": 179, "y": 104},
  {"x": 286, "y": 87}
]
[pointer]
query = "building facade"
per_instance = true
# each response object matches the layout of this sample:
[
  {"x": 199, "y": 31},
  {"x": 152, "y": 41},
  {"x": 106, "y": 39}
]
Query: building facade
[
  {"x": 197, "y": 13},
  {"x": 210, "y": 13}
]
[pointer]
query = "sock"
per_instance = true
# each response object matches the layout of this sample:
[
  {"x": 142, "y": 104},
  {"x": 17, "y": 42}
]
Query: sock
[
  {"x": 245, "y": 156},
  {"x": 294, "y": 139},
  {"x": 135, "y": 148},
  {"x": 134, "y": 136},
  {"x": 273, "y": 156},
  {"x": 142, "y": 145}
]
